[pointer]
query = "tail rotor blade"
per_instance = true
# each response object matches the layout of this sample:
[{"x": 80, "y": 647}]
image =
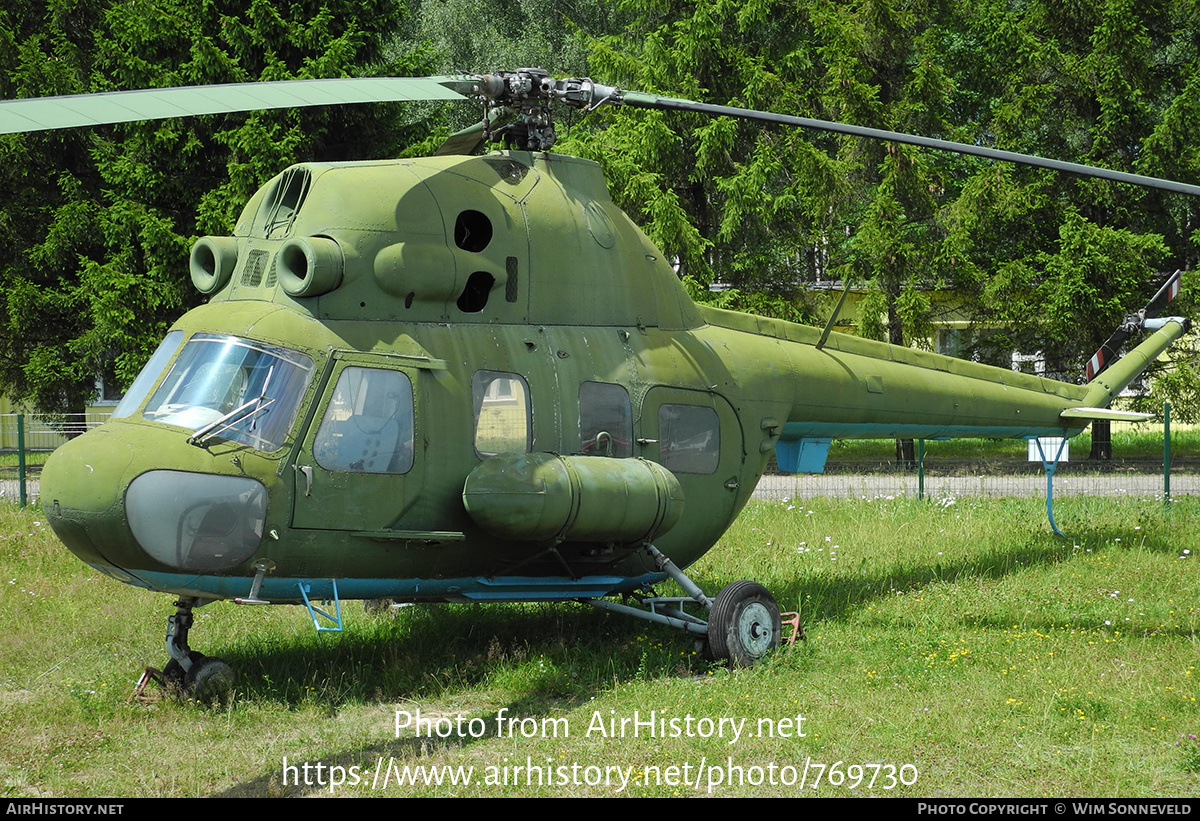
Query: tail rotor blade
[
  {"x": 1166, "y": 293},
  {"x": 1132, "y": 325},
  {"x": 1102, "y": 358}
]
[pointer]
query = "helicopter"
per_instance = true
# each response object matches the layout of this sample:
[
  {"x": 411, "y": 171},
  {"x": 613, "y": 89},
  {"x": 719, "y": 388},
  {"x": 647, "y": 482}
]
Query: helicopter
[{"x": 472, "y": 378}]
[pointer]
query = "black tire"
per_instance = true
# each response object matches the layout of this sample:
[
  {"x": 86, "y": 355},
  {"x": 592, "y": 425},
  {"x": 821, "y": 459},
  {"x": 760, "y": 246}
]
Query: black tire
[
  {"x": 743, "y": 625},
  {"x": 210, "y": 681},
  {"x": 173, "y": 673}
]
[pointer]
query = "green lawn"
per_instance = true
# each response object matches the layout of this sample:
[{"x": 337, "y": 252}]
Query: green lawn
[{"x": 954, "y": 649}]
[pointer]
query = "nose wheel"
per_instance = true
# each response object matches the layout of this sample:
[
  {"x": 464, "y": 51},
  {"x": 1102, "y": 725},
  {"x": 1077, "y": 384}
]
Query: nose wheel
[
  {"x": 173, "y": 674},
  {"x": 210, "y": 681},
  {"x": 202, "y": 678}
]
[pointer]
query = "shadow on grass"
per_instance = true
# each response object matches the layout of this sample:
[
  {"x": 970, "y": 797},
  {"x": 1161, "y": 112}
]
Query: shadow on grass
[
  {"x": 546, "y": 653},
  {"x": 542, "y": 660}
]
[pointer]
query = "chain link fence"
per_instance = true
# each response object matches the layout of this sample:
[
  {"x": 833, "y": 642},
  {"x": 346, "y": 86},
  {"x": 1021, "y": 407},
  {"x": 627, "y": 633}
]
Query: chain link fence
[
  {"x": 26, "y": 440},
  {"x": 1160, "y": 462},
  {"x": 940, "y": 487}
]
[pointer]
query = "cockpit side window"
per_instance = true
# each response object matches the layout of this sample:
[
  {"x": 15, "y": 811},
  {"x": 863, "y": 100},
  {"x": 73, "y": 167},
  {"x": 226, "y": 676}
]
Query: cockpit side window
[
  {"x": 605, "y": 420},
  {"x": 149, "y": 375},
  {"x": 503, "y": 422},
  {"x": 368, "y": 425}
]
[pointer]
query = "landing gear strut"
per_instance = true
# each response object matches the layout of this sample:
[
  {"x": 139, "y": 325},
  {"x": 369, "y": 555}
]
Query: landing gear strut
[
  {"x": 203, "y": 678},
  {"x": 744, "y": 623}
]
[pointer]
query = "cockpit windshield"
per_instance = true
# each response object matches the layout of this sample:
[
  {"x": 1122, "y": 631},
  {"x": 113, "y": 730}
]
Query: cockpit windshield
[{"x": 216, "y": 375}]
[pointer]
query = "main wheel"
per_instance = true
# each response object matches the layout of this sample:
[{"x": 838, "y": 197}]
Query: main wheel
[
  {"x": 209, "y": 681},
  {"x": 743, "y": 625}
]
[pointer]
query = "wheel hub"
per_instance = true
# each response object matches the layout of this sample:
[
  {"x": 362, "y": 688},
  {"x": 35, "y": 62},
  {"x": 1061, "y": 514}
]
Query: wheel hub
[{"x": 754, "y": 626}]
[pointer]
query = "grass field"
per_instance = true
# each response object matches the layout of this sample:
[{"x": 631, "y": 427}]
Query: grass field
[{"x": 954, "y": 649}]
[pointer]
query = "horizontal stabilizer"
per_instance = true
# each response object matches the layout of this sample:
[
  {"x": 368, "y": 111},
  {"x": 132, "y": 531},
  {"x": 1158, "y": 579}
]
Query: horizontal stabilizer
[{"x": 1105, "y": 413}]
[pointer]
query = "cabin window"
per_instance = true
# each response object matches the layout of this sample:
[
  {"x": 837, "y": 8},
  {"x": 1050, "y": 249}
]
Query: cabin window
[
  {"x": 605, "y": 420},
  {"x": 149, "y": 375},
  {"x": 368, "y": 425},
  {"x": 503, "y": 422},
  {"x": 247, "y": 391},
  {"x": 689, "y": 438}
]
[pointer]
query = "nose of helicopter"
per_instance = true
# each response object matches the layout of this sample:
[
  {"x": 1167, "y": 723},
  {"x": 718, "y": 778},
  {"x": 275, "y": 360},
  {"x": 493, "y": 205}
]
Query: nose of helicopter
[
  {"x": 114, "y": 506},
  {"x": 81, "y": 486}
]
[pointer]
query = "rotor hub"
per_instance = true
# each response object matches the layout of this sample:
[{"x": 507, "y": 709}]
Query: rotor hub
[{"x": 531, "y": 92}]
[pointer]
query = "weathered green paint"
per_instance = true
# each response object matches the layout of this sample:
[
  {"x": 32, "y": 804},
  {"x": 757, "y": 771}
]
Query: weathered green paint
[
  {"x": 514, "y": 263},
  {"x": 544, "y": 497}
]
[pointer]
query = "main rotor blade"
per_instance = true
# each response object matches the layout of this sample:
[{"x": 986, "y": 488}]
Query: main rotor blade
[
  {"x": 44, "y": 113},
  {"x": 639, "y": 99}
]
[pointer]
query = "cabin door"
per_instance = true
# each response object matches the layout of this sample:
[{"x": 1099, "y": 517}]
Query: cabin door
[
  {"x": 357, "y": 468},
  {"x": 696, "y": 436}
]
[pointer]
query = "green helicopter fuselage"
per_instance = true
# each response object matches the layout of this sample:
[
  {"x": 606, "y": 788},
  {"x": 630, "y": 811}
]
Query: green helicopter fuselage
[{"x": 474, "y": 378}]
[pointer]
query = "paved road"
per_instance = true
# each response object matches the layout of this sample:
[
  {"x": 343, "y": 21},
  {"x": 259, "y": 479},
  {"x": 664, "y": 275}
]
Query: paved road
[
  {"x": 939, "y": 487},
  {"x": 10, "y": 490},
  {"x": 803, "y": 487}
]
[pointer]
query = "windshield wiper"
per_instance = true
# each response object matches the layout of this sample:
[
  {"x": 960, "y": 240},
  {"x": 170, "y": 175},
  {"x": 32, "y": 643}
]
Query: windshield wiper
[{"x": 236, "y": 416}]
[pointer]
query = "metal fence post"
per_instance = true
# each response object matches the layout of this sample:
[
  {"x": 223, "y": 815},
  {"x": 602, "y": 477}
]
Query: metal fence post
[
  {"x": 21, "y": 455},
  {"x": 921, "y": 469},
  {"x": 1167, "y": 454}
]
